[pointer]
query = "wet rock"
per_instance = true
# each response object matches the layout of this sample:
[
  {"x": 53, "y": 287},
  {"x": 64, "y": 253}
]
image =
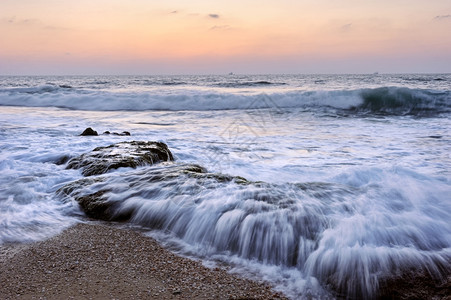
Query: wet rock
[
  {"x": 101, "y": 205},
  {"x": 95, "y": 205},
  {"x": 89, "y": 132},
  {"x": 123, "y": 133},
  {"x": 73, "y": 188},
  {"x": 416, "y": 284},
  {"x": 124, "y": 154},
  {"x": 62, "y": 160},
  {"x": 98, "y": 206}
]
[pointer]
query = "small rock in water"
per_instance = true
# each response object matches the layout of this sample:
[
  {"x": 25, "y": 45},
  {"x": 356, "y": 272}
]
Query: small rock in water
[
  {"x": 123, "y": 133},
  {"x": 89, "y": 131}
]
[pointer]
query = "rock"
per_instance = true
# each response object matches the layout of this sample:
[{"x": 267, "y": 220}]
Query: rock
[
  {"x": 62, "y": 160},
  {"x": 123, "y": 133},
  {"x": 94, "y": 205},
  {"x": 98, "y": 203},
  {"x": 89, "y": 132},
  {"x": 97, "y": 206},
  {"x": 73, "y": 188},
  {"x": 124, "y": 154},
  {"x": 416, "y": 284}
]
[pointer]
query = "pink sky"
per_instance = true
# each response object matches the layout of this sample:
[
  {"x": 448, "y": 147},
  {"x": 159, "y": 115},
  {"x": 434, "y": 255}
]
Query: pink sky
[{"x": 215, "y": 37}]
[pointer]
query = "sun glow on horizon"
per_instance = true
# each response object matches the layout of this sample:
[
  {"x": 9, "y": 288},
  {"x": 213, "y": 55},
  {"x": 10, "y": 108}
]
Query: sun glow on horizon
[{"x": 200, "y": 36}]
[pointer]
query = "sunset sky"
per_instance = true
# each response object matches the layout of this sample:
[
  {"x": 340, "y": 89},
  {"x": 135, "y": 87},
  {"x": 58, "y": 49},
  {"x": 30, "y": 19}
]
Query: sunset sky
[{"x": 45, "y": 37}]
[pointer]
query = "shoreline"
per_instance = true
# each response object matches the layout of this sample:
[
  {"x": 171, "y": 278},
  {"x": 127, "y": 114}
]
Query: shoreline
[{"x": 96, "y": 261}]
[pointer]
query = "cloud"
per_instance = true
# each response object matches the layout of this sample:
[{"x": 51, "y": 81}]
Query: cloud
[
  {"x": 193, "y": 14},
  {"x": 346, "y": 27},
  {"x": 30, "y": 23},
  {"x": 442, "y": 17},
  {"x": 23, "y": 22},
  {"x": 221, "y": 27}
]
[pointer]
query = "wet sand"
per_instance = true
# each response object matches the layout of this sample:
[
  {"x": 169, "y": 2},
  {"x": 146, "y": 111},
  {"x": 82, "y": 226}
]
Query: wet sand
[{"x": 102, "y": 262}]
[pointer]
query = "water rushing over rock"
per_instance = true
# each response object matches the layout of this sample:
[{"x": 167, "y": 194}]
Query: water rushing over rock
[{"x": 334, "y": 233}]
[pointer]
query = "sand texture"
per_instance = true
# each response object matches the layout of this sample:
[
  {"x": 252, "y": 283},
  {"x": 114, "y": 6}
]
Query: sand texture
[{"x": 101, "y": 262}]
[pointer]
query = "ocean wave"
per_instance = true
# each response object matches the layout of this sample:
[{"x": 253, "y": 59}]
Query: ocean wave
[
  {"x": 404, "y": 101},
  {"x": 41, "y": 89},
  {"x": 424, "y": 79},
  {"x": 383, "y": 100},
  {"x": 241, "y": 84}
]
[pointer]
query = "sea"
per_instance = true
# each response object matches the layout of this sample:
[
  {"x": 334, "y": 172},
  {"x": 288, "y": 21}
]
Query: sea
[{"x": 348, "y": 176}]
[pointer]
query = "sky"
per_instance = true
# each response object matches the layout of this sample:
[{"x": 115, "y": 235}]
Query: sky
[{"x": 145, "y": 37}]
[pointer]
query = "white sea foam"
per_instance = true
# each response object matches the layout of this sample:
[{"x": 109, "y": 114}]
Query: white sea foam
[
  {"x": 351, "y": 237},
  {"x": 28, "y": 210}
]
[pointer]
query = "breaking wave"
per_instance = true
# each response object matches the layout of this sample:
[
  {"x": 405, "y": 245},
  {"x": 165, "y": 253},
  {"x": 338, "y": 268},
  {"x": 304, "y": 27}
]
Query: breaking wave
[
  {"x": 404, "y": 101},
  {"x": 383, "y": 100}
]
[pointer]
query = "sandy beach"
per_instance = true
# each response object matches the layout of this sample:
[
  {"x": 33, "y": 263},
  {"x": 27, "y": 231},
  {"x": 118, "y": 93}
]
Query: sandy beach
[{"x": 101, "y": 262}]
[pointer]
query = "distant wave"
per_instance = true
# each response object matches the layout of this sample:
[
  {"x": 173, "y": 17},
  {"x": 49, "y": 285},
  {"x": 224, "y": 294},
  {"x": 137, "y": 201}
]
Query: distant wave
[
  {"x": 383, "y": 100},
  {"x": 158, "y": 82},
  {"x": 48, "y": 88},
  {"x": 173, "y": 83},
  {"x": 424, "y": 79},
  {"x": 240, "y": 84}
]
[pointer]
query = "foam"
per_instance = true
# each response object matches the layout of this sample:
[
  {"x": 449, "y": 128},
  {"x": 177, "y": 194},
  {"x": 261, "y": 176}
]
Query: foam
[
  {"x": 386, "y": 100},
  {"x": 347, "y": 236}
]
